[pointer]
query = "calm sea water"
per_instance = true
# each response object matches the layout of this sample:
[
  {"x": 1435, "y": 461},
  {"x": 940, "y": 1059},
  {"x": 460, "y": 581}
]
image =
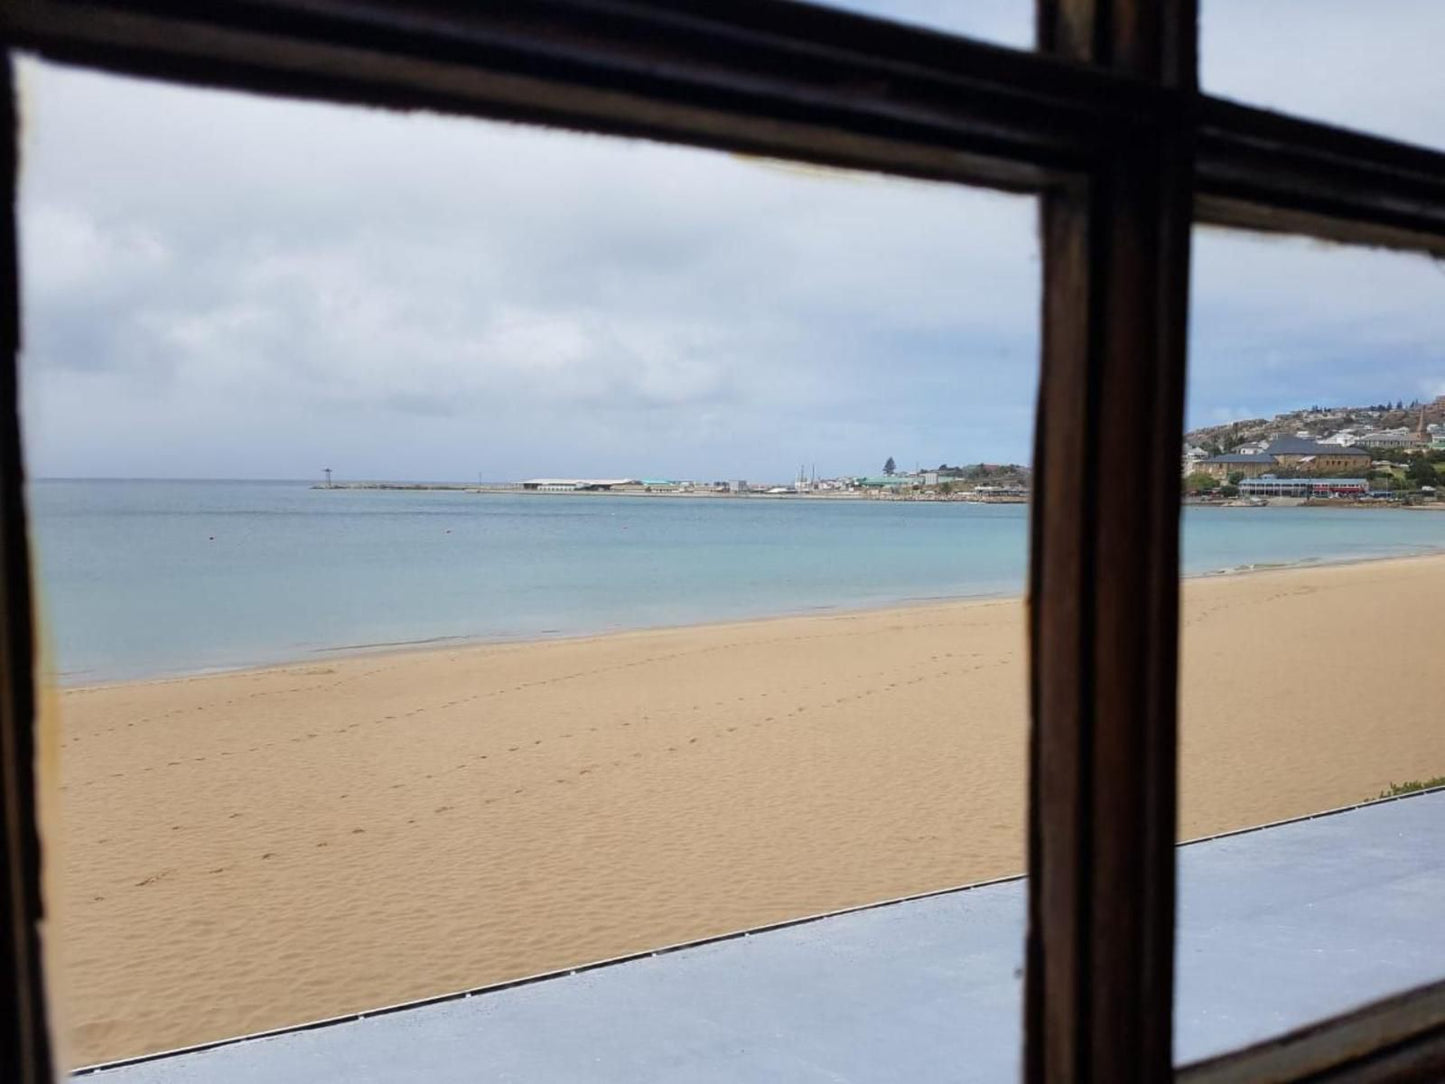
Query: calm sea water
[{"x": 142, "y": 578}]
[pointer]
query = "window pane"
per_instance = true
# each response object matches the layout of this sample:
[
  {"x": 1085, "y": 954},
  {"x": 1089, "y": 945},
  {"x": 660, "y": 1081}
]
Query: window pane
[
  {"x": 1002, "y": 22},
  {"x": 1372, "y": 67},
  {"x": 693, "y": 630},
  {"x": 1314, "y": 543}
]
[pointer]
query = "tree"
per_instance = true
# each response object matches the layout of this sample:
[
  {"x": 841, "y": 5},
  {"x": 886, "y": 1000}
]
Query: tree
[
  {"x": 1230, "y": 490},
  {"x": 1422, "y": 473},
  {"x": 945, "y": 488},
  {"x": 1200, "y": 482},
  {"x": 1235, "y": 477},
  {"x": 890, "y": 467}
]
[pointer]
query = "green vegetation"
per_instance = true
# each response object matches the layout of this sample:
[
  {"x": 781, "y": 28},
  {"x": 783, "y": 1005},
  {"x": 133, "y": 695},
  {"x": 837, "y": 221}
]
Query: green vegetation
[
  {"x": 1397, "y": 789},
  {"x": 1200, "y": 482},
  {"x": 890, "y": 468},
  {"x": 1422, "y": 473},
  {"x": 1403, "y": 456},
  {"x": 1000, "y": 474}
]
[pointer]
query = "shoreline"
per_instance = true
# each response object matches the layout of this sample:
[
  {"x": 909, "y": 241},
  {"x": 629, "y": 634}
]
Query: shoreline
[
  {"x": 322, "y": 655},
  {"x": 236, "y": 852},
  {"x": 515, "y": 490}
]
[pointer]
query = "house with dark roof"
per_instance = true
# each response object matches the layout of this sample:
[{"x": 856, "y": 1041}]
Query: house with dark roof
[{"x": 1293, "y": 453}]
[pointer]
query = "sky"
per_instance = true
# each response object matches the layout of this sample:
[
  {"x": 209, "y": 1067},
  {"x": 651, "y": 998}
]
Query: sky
[{"x": 220, "y": 285}]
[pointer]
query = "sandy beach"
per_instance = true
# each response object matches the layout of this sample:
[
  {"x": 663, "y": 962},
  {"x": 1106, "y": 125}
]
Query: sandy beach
[{"x": 242, "y": 851}]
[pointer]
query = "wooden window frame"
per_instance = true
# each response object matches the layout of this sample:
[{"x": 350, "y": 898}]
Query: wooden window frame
[{"x": 1105, "y": 122}]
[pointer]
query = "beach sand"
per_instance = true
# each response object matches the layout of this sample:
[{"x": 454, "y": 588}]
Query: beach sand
[{"x": 243, "y": 851}]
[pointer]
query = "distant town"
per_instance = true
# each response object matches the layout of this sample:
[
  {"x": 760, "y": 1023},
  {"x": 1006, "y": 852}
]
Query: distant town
[
  {"x": 1343, "y": 455},
  {"x": 1340, "y": 454},
  {"x": 1001, "y": 483}
]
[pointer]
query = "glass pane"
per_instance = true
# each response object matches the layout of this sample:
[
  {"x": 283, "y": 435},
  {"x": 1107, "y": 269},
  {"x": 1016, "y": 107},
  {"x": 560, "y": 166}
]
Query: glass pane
[
  {"x": 1372, "y": 67},
  {"x": 1002, "y": 22},
  {"x": 470, "y": 551},
  {"x": 1314, "y": 543}
]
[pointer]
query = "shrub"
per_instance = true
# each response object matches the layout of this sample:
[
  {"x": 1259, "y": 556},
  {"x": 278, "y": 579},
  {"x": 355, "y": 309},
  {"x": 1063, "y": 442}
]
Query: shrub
[{"x": 1397, "y": 789}]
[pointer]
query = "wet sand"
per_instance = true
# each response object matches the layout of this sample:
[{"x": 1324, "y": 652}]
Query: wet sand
[{"x": 243, "y": 851}]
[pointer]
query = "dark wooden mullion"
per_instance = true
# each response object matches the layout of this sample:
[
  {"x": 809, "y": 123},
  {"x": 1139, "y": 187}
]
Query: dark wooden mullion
[
  {"x": 1105, "y": 577},
  {"x": 1002, "y": 114},
  {"x": 1400, "y": 1038},
  {"x": 24, "y": 1038},
  {"x": 1060, "y": 614},
  {"x": 782, "y": 79},
  {"x": 1270, "y": 168}
]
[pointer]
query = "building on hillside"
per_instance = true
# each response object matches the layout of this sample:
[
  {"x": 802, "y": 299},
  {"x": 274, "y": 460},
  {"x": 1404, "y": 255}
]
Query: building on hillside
[
  {"x": 1317, "y": 488},
  {"x": 1389, "y": 438},
  {"x": 1316, "y": 458},
  {"x": 1251, "y": 466}
]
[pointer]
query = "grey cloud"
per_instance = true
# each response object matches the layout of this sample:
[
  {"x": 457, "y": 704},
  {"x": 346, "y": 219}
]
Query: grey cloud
[{"x": 526, "y": 294}]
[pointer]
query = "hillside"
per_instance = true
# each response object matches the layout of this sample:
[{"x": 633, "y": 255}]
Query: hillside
[
  {"x": 1317, "y": 423},
  {"x": 996, "y": 474}
]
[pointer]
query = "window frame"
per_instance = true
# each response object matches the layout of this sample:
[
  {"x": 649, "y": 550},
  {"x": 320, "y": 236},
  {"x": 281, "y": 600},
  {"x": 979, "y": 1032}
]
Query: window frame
[{"x": 1106, "y": 124}]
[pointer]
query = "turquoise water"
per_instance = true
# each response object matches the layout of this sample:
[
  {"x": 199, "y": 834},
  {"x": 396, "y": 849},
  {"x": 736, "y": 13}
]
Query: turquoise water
[{"x": 143, "y": 578}]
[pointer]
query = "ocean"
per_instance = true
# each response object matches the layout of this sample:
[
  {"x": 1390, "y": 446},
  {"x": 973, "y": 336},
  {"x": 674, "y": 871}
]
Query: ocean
[{"x": 150, "y": 578}]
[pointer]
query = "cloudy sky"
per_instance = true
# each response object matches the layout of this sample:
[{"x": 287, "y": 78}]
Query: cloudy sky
[{"x": 224, "y": 286}]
